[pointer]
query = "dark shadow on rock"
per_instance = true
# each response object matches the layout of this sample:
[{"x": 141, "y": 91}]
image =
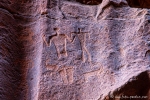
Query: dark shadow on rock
[
  {"x": 137, "y": 88},
  {"x": 139, "y": 3}
]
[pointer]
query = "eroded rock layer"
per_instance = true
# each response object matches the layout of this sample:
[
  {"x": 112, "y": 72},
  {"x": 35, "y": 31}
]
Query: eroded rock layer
[{"x": 74, "y": 50}]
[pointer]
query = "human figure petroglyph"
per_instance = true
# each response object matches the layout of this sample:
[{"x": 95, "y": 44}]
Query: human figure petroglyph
[
  {"x": 82, "y": 38},
  {"x": 58, "y": 40}
]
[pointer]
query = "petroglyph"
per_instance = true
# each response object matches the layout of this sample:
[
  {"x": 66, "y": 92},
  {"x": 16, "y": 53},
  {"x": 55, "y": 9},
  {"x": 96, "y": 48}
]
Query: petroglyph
[
  {"x": 82, "y": 38},
  {"x": 70, "y": 75},
  {"x": 96, "y": 73},
  {"x": 51, "y": 67},
  {"x": 59, "y": 40},
  {"x": 67, "y": 75},
  {"x": 63, "y": 75}
]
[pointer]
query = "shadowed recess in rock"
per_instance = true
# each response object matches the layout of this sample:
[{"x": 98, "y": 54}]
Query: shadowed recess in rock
[
  {"x": 136, "y": 88},
  {"x": 88, "y": 2},
  {"x": 139, "y": 3},
  {"x": 10, "y": 65}
]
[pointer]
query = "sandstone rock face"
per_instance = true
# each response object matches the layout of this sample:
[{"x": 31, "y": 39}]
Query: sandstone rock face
[{"x": 74, "y": 50}]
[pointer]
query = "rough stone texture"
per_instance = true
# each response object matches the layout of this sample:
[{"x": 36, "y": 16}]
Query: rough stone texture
[
  {"x": 20, "y": 49},
  {"x": 74, "y": 50}
]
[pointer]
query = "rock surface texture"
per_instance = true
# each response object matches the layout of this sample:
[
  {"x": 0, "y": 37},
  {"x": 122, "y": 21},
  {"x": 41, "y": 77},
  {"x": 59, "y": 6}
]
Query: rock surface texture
[{"x": 74, "y": 50}]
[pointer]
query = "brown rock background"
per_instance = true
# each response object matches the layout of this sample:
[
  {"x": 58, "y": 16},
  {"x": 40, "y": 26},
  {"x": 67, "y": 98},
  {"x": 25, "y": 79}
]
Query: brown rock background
[{"x": 108, "y": 59}]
